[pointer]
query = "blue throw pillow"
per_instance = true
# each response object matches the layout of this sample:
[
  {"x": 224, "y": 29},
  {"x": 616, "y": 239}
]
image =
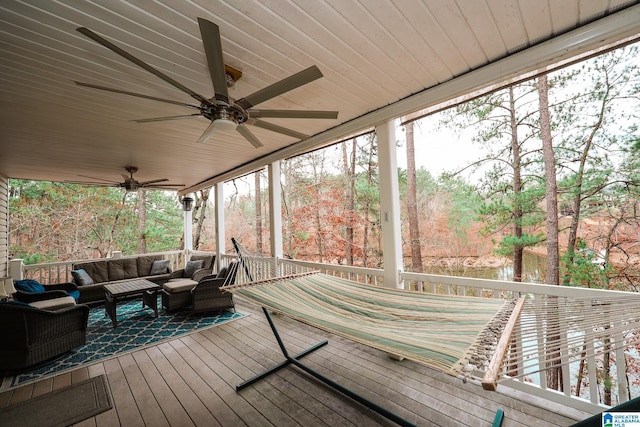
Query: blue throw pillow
[
  {"x": 74, "y": 294},
  {"x": 29, "y": 285}
]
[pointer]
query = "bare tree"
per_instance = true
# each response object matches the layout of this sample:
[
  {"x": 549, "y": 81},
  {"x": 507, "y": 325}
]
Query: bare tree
[
  {"x": 258, "y": 200},
  {"x": 412, "y": 206},
  {"x": 142, "y": 221}
]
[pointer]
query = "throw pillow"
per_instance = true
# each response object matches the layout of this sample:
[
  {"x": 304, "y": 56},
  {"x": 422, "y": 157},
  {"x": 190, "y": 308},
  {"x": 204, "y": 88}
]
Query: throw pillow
[
  {"x": 160, "y": 266},
  {"x": 81, "y": 277},
  {"x": 222, "y": 273},
  {"x": 192, "y": 267},
  {"x": 29, "y": 285}
]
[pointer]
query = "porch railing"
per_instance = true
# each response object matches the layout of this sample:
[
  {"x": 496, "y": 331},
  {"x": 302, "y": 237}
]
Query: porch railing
[{"x": 590, "y": 396}]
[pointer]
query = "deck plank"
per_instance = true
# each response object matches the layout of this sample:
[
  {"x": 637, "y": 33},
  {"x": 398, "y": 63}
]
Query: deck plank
[
  {"x": 171, "y": 408},
  {"x": 162, "y": 356},
  {"x": 146, "y": 402},
  {"x": 124, "y": 403}
]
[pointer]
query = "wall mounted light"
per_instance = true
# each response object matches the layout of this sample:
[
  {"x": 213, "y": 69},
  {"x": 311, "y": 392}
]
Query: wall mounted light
[{"x": 187, "y": 203}]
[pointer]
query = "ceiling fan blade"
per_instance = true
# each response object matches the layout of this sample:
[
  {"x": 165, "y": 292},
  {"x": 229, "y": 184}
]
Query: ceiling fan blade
[
  {"x": 285, "y": 85},
  {"x": 206, "y": 134},
  {"x": 139, "y": 95},
  {"x": 99, "y": 179},
  {"x": 244, "y": 131},
  {"x": 276, "y": 128},
  {"x": 164, "y": 185},
  {"x": 96, "y": 184},
  {"x": 160, "y": 119},
  {"x": 293, "y": 114},
  {"x": 153, "y": 181},
  {"x": 210, "y": 33},
  {"x": 106, "y": 43}
]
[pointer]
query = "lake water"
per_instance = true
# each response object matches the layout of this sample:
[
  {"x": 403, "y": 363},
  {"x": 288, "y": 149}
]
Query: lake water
[{"x": 534, "y": 270}]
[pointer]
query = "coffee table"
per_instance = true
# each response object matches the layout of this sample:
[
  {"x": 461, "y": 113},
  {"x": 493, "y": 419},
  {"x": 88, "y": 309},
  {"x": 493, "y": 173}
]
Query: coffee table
[{"x": 119, "y": 291}]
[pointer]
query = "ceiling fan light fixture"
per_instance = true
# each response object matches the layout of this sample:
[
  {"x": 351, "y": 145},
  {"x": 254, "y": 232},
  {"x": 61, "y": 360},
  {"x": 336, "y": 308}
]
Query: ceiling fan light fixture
[{"x": 224, "y": 125}]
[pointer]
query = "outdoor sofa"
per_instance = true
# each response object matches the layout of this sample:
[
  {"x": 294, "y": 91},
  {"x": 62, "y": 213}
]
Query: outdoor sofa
[{"x": 90, "y": 277}]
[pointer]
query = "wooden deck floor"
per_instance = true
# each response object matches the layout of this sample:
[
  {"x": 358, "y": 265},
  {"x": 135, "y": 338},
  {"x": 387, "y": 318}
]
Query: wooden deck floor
[{"x": 191, "y": 381}]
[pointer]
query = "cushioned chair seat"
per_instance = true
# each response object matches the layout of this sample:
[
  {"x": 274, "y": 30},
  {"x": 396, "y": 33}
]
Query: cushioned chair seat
[
  {"x": 54, "y": 303},
  {"x": 179, "y": 285}
]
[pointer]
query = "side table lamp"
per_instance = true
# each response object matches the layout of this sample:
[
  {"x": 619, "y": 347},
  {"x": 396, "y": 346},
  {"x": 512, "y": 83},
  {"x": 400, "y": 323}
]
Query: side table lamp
[{"x": 6, "y": 288}]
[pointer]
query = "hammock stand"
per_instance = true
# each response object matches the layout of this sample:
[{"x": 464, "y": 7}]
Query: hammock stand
[{"x": 294, "y": 360}]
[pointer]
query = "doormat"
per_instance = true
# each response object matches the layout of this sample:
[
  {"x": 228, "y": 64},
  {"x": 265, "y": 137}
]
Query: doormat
[
  {"x": 136, "y": 330},
  {"x": 62, "y": 407}
]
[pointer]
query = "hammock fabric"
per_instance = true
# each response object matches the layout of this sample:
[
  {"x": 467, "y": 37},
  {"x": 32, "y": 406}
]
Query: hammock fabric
[{"x": 439, "y": 331}]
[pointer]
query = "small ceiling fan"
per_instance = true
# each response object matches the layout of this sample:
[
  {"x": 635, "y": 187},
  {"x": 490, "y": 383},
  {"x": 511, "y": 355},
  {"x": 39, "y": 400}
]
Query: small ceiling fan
[
  {"x": 130, "y": 183},
  {"x": 225, "y": 113}
]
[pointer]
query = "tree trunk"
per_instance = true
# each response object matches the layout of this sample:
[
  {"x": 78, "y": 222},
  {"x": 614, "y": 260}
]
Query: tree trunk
[
  {"x": 349, "y": 174},
  {"x": 412, "y": 205},
  {"x": 579, "y": 194},
  {"x": 200, "y": 211},
  {"x": 142, "y": 221},
  {"x": 554, "y": 373},
  {"x": 367, "y": 207},
  {"x": 517, "y": 190},
  {"x": 551, "y": 190},
  {"x": 258, "y": 213}
]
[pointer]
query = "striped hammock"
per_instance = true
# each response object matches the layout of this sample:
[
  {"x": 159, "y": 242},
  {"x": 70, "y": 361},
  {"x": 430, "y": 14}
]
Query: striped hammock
[{"x": 439, "y": 331}]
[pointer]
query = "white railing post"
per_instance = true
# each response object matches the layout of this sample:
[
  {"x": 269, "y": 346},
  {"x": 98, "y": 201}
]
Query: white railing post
[{"x": 16, "y": 268}]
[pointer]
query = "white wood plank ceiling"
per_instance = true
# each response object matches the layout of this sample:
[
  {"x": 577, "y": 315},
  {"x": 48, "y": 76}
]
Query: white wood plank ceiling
[{"x": 380, "y": 59}]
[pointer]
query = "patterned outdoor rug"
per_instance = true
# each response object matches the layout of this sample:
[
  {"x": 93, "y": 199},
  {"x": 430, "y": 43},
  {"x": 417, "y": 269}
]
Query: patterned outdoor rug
[{"x": 136, "y": 329}]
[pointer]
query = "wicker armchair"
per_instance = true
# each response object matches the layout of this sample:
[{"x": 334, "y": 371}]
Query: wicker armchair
[
  {"x": 176, "y": 293},
  {"x": 31, "y": 336},
  {"x": 207, "y": 296},
  {"x": 49, "y": 292}
]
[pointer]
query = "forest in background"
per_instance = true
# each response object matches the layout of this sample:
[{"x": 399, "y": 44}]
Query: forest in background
[{"x": 557, "y": 162}]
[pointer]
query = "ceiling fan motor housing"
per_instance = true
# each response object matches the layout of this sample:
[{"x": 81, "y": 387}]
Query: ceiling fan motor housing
[{"x": 222, "y": 110}]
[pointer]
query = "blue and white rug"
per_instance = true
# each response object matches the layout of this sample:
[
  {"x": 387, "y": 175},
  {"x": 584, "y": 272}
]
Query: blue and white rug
[{"x": 136, "y": 329}]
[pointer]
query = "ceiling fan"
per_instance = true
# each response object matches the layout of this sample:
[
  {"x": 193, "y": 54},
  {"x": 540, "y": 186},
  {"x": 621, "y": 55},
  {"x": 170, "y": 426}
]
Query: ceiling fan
[
  {"x": 225, "y": 113},
  {"x": 130, "y": 183}
]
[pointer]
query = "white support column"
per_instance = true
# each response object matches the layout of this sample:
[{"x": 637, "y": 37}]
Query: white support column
[
  {"x": 390, "y": 205},
  {"x": 219, "y": 212},
  {"x": 275, "y": 210},
  {"x": 275, "y": 213}
]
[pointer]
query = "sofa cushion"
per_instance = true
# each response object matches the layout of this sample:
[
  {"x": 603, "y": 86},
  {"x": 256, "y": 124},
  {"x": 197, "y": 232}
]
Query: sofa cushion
[
  {"x": 159, "y": 266},
  {"x": 192, "y": 267},
  {"x": 29, "y": 285},
  {"x": 207, "y": 260},
  {"x": 123, "y": 268},
  {"x": 144, "y": 264},
  {"x": 179, "y": 285},
  {"x": 81, "y": 277},
  {"x": 96, "y": 269}
]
